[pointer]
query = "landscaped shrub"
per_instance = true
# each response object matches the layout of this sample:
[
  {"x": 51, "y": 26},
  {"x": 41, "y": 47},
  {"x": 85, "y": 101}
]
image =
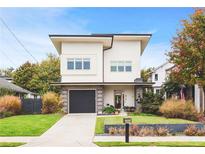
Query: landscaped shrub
[
  {"x": 50, "y": 103},
  {"x": 134, "y": 130},
  {"x": 191, "y": 131},
  {"x": 201, "y": 132},
  {"x": 194, "y": 131},
  {"x": 145, "y": 131},
  {"x": 151, "y": 102},
  {"x": 109, "y": 109},
  {"x": 9, "y": 105},
  {"x": 162, "y": 131},
  {"x": 113, "y": 131},
  {"x": 179, "y": 109},
  {"x": 121, "y": 131}
]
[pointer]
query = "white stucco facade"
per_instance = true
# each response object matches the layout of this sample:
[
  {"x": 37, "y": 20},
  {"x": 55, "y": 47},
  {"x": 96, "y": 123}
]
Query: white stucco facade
[
  {"x": 101, "y": 61},
  {"x": 94, "y": 51},
  {"x": 122, "y": 51},
  {"x": 104, "y": 52}
]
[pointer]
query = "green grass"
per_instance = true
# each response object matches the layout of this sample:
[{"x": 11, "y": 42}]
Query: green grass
[
  {"x": 160, "y": 144},
  {"x": 11, "y": 144},
  {"x": 136, "y": 119},
  {"x": 27, "y": 125}
]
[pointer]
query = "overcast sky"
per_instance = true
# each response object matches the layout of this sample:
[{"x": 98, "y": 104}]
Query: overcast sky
[{"x": 33, "y": 25}]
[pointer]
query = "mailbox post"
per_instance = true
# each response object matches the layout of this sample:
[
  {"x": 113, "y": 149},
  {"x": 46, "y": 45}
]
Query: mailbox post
[{"x": 127, "y": 122}]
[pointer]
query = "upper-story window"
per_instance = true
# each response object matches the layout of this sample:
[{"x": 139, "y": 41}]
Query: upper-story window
[
  {"x": 156, "y": 77},
  {"x": 78, "y": 64},
  {"x": 121, "y": 66}
]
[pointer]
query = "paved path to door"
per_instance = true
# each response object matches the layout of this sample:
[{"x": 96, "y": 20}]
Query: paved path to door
[{"x": 71, "y": 131}]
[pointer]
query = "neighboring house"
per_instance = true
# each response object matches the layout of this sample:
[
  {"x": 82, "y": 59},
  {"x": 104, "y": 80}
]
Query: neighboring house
[
  {"x": 7, "y": 84},
  {"x": 100, "y": 69},
  {"x": 6, "y": 78},
  {"x": 159, "y": 76},
  {"x": 161, "y": 73}
]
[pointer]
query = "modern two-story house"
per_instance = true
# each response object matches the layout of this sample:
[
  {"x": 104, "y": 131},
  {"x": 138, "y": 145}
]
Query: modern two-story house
[{"x": 100, "y": 69}]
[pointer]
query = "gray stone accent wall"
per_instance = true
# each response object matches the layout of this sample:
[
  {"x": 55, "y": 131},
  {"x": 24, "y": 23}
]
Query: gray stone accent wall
[
  {"x": 64, "y": 99},
  {"x": 99, "y": 99}
]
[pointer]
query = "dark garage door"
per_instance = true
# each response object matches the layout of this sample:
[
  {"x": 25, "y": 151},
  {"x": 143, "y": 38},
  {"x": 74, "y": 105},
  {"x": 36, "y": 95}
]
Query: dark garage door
[{"x": 82, "y": 101}]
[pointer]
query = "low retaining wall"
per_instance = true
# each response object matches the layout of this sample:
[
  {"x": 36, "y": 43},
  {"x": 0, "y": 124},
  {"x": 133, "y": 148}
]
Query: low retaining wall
[{"x": 173, "y": 128}]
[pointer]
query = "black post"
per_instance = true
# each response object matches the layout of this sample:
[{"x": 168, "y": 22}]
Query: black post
[{"x": 127, "y": 132}]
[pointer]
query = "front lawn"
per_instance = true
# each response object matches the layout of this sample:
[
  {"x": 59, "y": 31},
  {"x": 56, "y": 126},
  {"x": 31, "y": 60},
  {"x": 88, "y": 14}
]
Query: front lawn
[
  {"x": 11, "y": 144},
  {"x": 160, "y": 144},
  {"x": 136, "y": 119},
  {"x": 27, "y": 125}
]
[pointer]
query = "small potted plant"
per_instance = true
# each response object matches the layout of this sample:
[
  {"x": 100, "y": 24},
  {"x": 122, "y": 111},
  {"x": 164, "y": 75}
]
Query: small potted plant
[{"x": 109, "y": 109}]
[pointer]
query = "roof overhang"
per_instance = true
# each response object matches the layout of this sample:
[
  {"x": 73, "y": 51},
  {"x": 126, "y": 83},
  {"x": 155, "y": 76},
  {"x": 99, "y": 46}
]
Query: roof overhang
[
  {"x": 57, "y": 40},
  {"x": 144, "y": 39},
  {"x": 105, "y": 39},
  {"x": 101, "y": 83}
]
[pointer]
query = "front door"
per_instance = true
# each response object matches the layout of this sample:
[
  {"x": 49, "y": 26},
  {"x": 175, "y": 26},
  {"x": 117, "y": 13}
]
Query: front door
[{"x": 118, "y": 99}]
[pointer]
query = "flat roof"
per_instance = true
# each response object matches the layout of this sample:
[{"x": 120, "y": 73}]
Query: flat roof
[
  {"x": 97, "y": 35},
  {"x": 105, "y": 39},
  {"x": 102, "y": 83}
]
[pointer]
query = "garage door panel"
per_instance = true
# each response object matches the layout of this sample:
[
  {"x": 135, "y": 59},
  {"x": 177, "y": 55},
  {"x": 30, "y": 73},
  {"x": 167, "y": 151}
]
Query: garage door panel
[{"x": 82, "y": 101}]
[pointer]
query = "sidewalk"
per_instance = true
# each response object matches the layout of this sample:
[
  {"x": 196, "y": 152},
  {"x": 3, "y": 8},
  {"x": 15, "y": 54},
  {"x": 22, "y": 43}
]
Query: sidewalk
[
  {"x": 149, "y": 139},
  {"x": 17, "y": 139}
]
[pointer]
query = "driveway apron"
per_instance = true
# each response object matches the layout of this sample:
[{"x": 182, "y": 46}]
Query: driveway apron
[{"x": 73, "y": 130}]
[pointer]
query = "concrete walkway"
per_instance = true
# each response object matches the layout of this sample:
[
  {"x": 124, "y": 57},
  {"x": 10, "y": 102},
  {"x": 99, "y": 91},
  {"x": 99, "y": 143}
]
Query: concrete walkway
[
  {"x": 148, "y": 139},
  {"x": 17, "y": 139},
  {"x": 69, "y": 131}
]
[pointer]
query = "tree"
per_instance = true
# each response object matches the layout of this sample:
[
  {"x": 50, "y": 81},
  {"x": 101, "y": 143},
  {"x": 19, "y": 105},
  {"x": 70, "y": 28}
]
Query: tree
[
  {"x": 48, "y": 72},
  {"x": 38, "y": 77},
  {"x": 146, "y": 73},
  {"x": 23, "y": 76},
  {"x": 171, "y": 86},
  {"x": 151, "y": 102},
  {"x": 189, "y": 51}
]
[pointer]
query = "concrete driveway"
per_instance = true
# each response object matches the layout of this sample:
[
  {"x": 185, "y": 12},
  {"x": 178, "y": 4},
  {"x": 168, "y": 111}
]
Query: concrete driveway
[{"x": 72, "y": 130}]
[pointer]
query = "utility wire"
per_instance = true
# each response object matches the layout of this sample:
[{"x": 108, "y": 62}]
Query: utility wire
[
  {"x": 7, "y": 57},
  {"x": 13, "y": 34}
]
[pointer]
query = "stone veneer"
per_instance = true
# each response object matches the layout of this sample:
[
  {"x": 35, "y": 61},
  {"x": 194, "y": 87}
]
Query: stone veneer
[
  {"x": 99, "y": 97},
  {"x": 64, "y": 99}
]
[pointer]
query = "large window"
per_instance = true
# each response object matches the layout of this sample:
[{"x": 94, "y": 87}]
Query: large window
[
  {"x": 121, "y": 66},
  {"x": 78, "y": 64}
]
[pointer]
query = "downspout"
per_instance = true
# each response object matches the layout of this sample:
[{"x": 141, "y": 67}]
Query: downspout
[{"x": 104, "y": 55}]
